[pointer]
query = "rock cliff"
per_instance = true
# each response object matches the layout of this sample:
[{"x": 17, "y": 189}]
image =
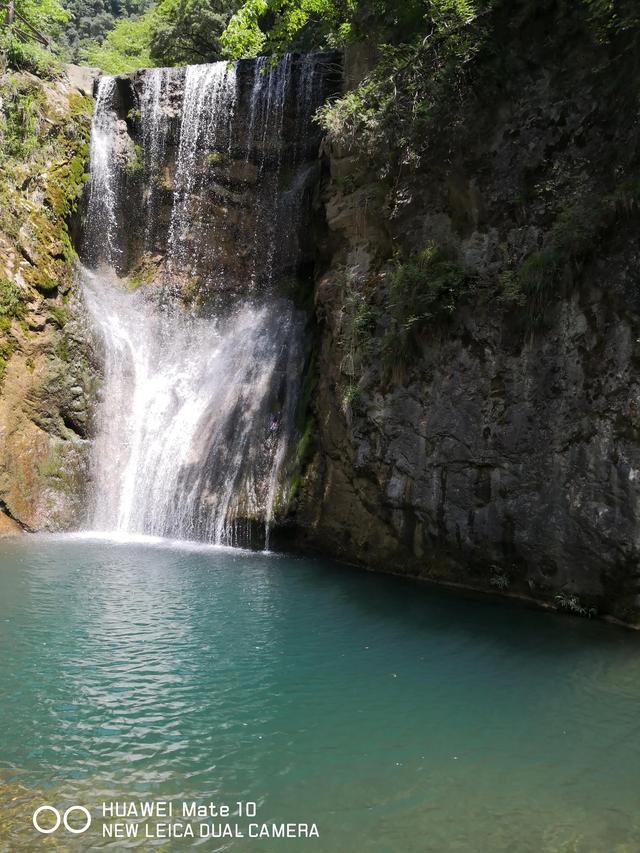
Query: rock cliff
[
  {"x": 46, "y": 377},
  {"x": 477, "y": 416}
]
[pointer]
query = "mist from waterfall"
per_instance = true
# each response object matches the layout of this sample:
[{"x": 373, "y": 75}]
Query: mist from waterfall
[{"x": 197, "y": 413}]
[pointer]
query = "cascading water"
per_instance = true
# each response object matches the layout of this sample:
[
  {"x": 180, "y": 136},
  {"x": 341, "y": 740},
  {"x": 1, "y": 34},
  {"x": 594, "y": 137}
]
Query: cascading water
[
  {"x": 103, "y": 186},
  {"x": 198, "y": 407},
  {"x": 207, "y": 117}
]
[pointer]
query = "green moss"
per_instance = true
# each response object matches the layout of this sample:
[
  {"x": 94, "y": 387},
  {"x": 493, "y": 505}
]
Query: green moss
[
  {"x": 54, "y": 468},
  {"x": 62, "y": 349},
  {"x": 60, "y": 315},
  {"x": 143, "y": 274},
  {"x": 12, "y": 307},
  {"x": 22, "y": 118},
  {"x": 135, "y": 164},
  {"x": 304, "y": 454},
  {"x": 7, "y": 346}
]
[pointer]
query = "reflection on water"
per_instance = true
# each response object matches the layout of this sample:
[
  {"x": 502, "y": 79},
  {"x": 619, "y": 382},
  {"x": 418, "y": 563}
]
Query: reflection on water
[{"x": 396, "y": 718}]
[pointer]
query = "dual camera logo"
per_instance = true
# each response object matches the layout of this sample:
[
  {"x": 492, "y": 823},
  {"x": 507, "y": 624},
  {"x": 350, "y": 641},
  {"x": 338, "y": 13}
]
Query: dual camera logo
[{"x": 43, "y": 824}]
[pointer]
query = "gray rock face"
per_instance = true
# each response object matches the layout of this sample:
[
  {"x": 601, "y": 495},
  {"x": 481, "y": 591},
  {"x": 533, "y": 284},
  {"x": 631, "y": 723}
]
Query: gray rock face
[
  {"x": 82, "y": 78},
  {"x": 502, "y": 454},
  {"x": 489, "y": 464}
]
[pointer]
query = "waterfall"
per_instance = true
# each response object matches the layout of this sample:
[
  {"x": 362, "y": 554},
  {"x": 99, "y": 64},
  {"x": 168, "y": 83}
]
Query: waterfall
[
  {"x": 201, "y": 363},
  {"x": 103, "y": 188},
  {"x": 209, "y": 95},
  {"x": 154, "y": 109}
]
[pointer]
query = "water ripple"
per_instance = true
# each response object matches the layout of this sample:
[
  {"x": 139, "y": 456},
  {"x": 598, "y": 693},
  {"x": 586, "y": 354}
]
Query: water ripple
[{"x": 398, "y": 718}]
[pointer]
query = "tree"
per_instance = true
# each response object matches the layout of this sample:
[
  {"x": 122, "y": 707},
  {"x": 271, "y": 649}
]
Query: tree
[
  {"x": 274, "y": 26},
  {"x": 91, "y": 20},
  {"x": 189, "y": 31},
  {"x": 33, "y": 17},
  {"x": 125, "y": 48},
  {"x": 173, "y": 32},
  {"x": 27, "y": 39}
]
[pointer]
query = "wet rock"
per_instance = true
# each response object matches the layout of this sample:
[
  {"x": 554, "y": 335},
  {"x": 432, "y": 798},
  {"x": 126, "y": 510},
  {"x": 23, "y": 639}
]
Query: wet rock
[{"x": 8, "y": 527}]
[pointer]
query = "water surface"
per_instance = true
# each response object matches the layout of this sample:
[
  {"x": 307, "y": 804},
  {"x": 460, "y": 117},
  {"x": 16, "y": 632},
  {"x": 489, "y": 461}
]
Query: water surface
[{"x": 396, "y": 717}]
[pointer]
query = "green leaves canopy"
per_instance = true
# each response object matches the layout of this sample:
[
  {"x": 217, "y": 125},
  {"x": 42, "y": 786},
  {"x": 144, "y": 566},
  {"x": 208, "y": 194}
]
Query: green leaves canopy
[
  {"x": 188, "y": 31},
  {"x": 125, "y": 48},
  {"x": 273, "y": 26},
  {"x": 173, "y": 32}
]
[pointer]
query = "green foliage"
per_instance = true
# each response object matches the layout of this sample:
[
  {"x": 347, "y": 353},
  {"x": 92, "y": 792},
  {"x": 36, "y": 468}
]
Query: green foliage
[
  {"x": 425, "y": 70},
  {"x": 126, "y": 48},
  {"x": 275, "y": 26},
  {"x": 170, "y": 32},
  {"x": 47, "y": 16},
  {"x": 571, "y": 603},
  {"x": 91, "y": 20},
  {"x": 29, "y": 56},
  {"x": 351, "y": 396},
  {"x": 423, "y": 291},
  {"x": 243, "y": 36},
  {"x": 609, "y": 18},
  {"x": 43, "y": 146},
  {"x": 47, "y": 150},
  {"x": 21, "y": 121},
  {"x": 575, "y": 235},
  {"x": 12, "y": 305},
  {"x": 189, "y": 31},
  {"x": 20, "y": 43},
  {"x": 135, "y": 164},
  {"x": 414, "y": 81},
  {"x": 426, "y": 288},
  {"x": 62, "y": 349},
  {"x": 59, "y": 314},
  {"x": 357, "y": 338},
  {"x": 499, "y": 579},
  {"x": 357, "y": 116}
]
